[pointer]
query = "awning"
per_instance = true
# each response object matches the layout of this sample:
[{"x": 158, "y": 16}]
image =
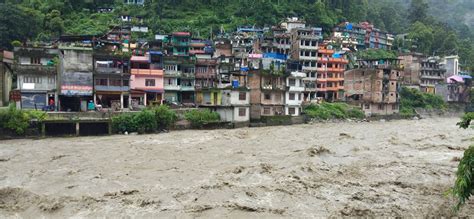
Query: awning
[{"x": 455, "y": 79}]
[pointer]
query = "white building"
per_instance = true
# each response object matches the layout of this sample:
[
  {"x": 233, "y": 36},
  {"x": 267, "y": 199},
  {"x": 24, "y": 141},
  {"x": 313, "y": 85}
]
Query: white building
[
  {"x": 294, "y": 93},
  {"x": 451, "y": 64},
  {"x": 235, "y": 105}
]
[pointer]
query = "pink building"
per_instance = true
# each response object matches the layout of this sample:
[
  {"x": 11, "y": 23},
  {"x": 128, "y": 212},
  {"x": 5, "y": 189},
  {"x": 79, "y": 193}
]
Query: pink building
[{"x": 146, "y": 81}]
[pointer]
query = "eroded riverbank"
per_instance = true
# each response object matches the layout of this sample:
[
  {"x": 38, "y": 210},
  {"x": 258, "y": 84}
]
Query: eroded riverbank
[{"x": 395, "y": 168}]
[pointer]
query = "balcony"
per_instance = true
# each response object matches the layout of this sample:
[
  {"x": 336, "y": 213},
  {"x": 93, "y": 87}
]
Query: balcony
[
  {"x": 35, "y": 69},
  {"x": 112, "y": 88},
  {"x": 172, "y": 87},
  {"x": 187, "y": 88},
  {"x": 335, "y": 69},
  {"x": 172, "y": 73},
  {"x": 155, "y": 72},
  {"x": 333, "y": 60},
  {"x": 295, "y": 88},
  {"x": 273, "y": 87},
  {"x": 106, "y": 70},
  {"x": 326, "y": 51},
  {"x": 187, "y": 75},
  {"x": 180, "y": 44},
  {"x": 309, "y": 58},
  {"x": 308, "y": 47},
  {"x": 335, "y": 79},
  {"x": 433, "y": 77},
  {"x": 309, "y": 68}
]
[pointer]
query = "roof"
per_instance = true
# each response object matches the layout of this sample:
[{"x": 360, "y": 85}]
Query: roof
[
  {"x": 140, "y": 59},
  {"x": 181, "y": 34}
]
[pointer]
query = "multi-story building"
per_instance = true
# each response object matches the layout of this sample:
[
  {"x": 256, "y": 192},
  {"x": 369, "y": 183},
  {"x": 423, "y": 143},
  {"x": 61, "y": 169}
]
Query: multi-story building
[
  {"x": 374, "y": 86},
  {"x": 362, "y": 36},
  {"x": 330, "y": 74},
  {"x": 36, "y": 70},
  {"x": 6, "y": 61},
  {"x": 179, "y": 79},
  {"x": 206, "y": 85},
  {"x": 146, "y": 81},
  {"x": 457, "y": 89},
  {"x": 76, "y": 73},
  {"x": 267, "y": 87},
  {"x": 294, "y": 93},
  {"x": 304, "y": 49},
  {"x": 411, "y": 63},
  {"x": 111, "y": 77},
  {"x": 134, "y": 2},
  {"x": 431, "y": 74},
  {"x": 451, "y": 65},
  {"x": 178, "y": 44}
]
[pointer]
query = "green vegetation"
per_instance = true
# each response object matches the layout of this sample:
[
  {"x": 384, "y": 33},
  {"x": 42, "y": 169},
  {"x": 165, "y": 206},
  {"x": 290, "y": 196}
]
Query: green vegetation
[
  {"x": 327, "y": 111},
  {"x": 411, "y": 99},
  {"x": 464, "y": 185},
  {"x": 376, "y": 54},
  {"x": 199, "y": 118},
  {"x": 427, "y": 32},
  {"x": 18, "y": 121},
  {"x": 146, "y": 121}
]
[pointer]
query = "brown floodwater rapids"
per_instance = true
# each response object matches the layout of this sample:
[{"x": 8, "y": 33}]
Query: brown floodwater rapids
[{"x": 339, "y": 169}]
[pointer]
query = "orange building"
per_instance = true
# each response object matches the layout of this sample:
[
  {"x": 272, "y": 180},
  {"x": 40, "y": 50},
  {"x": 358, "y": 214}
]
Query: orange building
[{"x": 330, "y": 74}]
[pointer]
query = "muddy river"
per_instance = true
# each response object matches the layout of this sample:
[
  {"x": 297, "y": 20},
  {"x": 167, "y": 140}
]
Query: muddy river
[{"x": 393, "y": 168}]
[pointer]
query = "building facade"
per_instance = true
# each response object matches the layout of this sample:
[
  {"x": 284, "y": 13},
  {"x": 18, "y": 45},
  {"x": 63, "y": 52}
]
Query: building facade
[{"x": 374, "y": 86}]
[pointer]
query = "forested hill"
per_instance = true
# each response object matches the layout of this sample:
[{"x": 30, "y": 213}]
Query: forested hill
[{"x": 440, "y": 26}]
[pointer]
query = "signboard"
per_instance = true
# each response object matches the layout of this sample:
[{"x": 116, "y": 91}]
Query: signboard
[
  {"x": 76, "y": 84},
  {"x": 28, "y": 86},
  {"x": 15, "y": 95},
  {"x": 33, "y": 100}
]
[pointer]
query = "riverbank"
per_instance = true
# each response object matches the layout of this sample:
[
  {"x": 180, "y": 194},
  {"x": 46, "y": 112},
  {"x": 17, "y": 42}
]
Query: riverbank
[{"x": 392, "y": 168}]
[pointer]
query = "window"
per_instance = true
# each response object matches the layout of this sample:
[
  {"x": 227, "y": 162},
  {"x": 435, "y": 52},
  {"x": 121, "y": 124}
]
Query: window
[
  {"x": 242, "y": 112},
  {"x": 150, "y": 82},
  {"x": 367, "y": 106},
  {"x": 242, "y": 96},
  {"x": 35, "y": 61},
  {"x": 381, "y": 107},
  {"x": 36, "y": 80},
  {"x": 266, "y": 110},
  {"x": 267, "y": 97},
  {"x": 125, "y": 83},
  {"x": 51, "y": 80},
  {"x": 115, "y": 82},
  {"x": 292, "y": 96},
  {"x": 292, "y": 111},
  {"x": 101, "y": 82},
  {"x": 292, "y": 82},
  {"x": 394, "y": 107}
]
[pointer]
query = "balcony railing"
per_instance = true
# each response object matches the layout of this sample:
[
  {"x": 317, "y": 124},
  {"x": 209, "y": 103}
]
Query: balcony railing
[
  {"x": 106, "y": 70},
  {"x": 172, "y": 87},
  {"x": 35, "y": 69},
  {"x": 136, "y": 71}
]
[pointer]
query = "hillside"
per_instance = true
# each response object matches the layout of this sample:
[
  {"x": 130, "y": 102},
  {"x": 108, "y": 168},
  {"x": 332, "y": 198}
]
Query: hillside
[{"x": 46, "y": 19}]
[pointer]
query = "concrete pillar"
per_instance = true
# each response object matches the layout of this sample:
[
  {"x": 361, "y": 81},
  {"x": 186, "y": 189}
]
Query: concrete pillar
[
  {"x": 130, "y": 101},
  {"x": 95, "y": 99},
  {"x": 144, "y": 99},
  {"x": 121, "y": 101},
  {"x": 56, "y": 101},
  {"x": 43, "y": 129},
  {"x": 77, "y": 129}
]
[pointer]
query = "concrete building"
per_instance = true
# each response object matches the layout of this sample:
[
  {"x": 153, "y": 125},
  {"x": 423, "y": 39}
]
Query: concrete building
[
  {"x": 304, "y": 49},
  {"x": 146, "y": 81},
  {"x": 457, "y": 89},
  {"x": 330, "y": 74},
  {"x": 111, "y": 77},
  {"x": 362, "y": 36},
  {"x": 431, "y": 74},
  {"x": 36, "y": 71},
  {"x": 6, "y": 62},
  {"x": 135, "y": 2},
  {"x": 294, "y": 93},
  {"x": 374, "y": 86},
  {"x": 76, "y": 73},
  {"x": 179, "y": 80},
  {"x": 451, "y": 65},
  {"x": 411, "y": 63}
]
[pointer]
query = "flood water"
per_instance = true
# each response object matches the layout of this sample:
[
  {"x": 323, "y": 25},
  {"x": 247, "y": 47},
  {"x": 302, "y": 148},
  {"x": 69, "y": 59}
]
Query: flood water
[{"x": 393, "y": 168}]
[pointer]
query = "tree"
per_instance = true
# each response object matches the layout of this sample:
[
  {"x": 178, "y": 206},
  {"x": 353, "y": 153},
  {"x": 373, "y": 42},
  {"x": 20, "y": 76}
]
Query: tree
[
  {"x": 464, "y": 185},
  {"x": 15, "y": 24},
  {"x": 423, "y": 35},
  {"x": 418, "y": 11}
]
